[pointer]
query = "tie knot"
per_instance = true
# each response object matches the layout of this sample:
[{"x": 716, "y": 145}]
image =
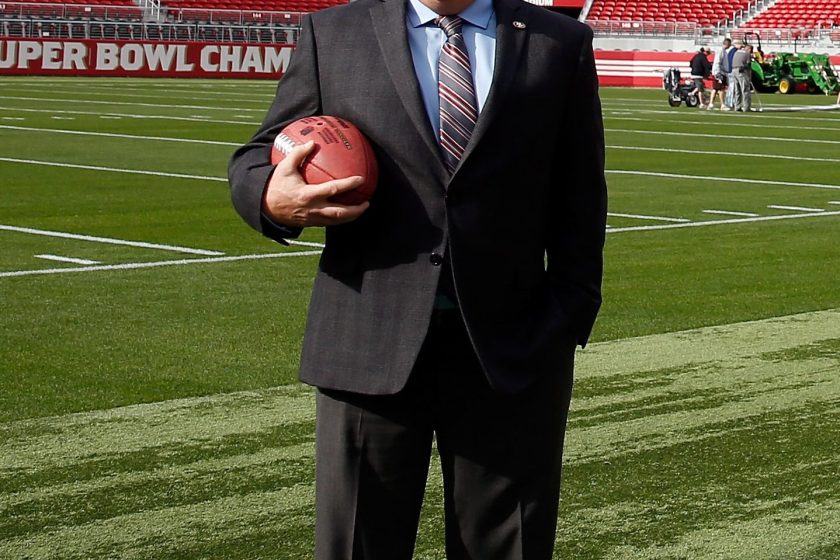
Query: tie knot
[{"x": 451, "y": 25}]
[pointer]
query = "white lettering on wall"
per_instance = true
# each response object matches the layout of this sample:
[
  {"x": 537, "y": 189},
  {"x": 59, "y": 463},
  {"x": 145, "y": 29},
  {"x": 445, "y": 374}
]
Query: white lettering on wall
[
  {"x": 159, "y": 56},
  {"x": 139, "y": 57},
  {"x": 107, "y": 56},
  {"x": 277, "y": 60},
  {"x": 252, "y": 61},
  {"x": 8, "y": 54},
  {"x": 181, "y": 64},
  {"x": 206, "y": 63},
  {"x": 131, "y": 57},
  {"x": 74, "y": 56},
  {"x": 30, "y": 51},
  {"x": 230, "y": 58},
  {"x": 51, "y": 58}
]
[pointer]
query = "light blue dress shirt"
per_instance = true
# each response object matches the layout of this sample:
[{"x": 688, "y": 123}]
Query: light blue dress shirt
[{"x": 425, "y": 39}]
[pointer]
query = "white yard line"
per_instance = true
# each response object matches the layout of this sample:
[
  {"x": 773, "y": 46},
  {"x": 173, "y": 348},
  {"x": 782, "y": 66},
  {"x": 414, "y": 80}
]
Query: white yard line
[
  {"x": 722, "y": 222},
  {"x": 112, "y": 169},
  {"x": 122, "y": 93},
  {"x": 693, "y": 134},
  {"x": 66, "y": 259},
  {"x": 135, "y": 266},
  {"x": 795, "y": 208},
  {"x": 656, "y": 108},
  {"x": 731, "y": 213},
  {"x": 722, "y": 179},
  {"x": 115, "y": 135},
  {"x": 834, "y": 201},
  {"x": 762, "y": 125},
  {"x": 268, "y": 88},
  {"x": 54, "y": 100},
  {"x": 644, "y": 217},
  {"x": 613, "y": 171},
  {"x": 109, "y": 240},
  {"x": 305, "y": 243},
  {"x": 209, "y": 260},
  {"x": 94, "y": 89},
  {"x": 723, "y": 153},
  {"x": 125, "y": 115}
]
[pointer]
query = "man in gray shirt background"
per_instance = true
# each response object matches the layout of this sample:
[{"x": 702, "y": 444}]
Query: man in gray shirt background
[{"x": 742, "y": 74}]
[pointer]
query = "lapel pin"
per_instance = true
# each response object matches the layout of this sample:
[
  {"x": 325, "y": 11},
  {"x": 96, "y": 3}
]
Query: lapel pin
[{"x": 519, "y": 24}]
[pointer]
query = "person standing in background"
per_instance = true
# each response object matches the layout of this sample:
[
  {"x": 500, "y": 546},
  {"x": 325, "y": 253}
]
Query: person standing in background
[
  {"x": 742, "y": 76},
  {"x": 700, "y": 69},
  {"x": 726, "y": 66},
  {"x": 719, "y": 75}
]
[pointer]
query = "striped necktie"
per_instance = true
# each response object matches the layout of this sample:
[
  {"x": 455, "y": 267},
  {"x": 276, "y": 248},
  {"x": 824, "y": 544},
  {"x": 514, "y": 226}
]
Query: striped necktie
[{"x": 458, "y": 112}]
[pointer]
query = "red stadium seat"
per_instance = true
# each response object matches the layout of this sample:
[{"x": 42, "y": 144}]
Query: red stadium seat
[
  {"x": 709, "y": 13},
  {"x": 787, "y": 14}
]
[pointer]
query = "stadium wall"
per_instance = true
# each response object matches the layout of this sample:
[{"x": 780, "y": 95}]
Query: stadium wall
[
  {"x": 645, "y": 68},
  {"x": 79, "y": 57},
  {"x": 69, "y": 57},
  {"x": 639, "y": 68}
]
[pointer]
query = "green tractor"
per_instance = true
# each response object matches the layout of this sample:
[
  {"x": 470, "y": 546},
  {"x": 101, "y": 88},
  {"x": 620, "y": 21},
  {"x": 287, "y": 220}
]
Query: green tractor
[{"x": 783, "y": 72}]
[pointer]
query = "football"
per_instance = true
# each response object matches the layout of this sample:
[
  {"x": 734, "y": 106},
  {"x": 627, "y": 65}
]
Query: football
[{"x": 340, "y": 151}]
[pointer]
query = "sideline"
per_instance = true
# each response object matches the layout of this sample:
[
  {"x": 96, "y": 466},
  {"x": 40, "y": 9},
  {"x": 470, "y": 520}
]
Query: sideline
[
  {"x": 719, "y": 136},
  {"x": 116, "y": 135},
  {"x": 721, "y": 222},
  {"x": 129, "y": 103},
  {"x": 138, "y": 116},
  {"x": 109, "y": 240},
  {"x": 112, "y": 169},
  {"x": 156, "y": 264},
  {"x": 717, "y": 153},
  {"x": 724, "y": 179}
]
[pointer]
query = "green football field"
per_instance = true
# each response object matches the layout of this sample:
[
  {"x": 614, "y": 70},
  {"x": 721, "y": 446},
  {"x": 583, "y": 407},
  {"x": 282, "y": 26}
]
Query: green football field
[{"x": 149, "y": 338}]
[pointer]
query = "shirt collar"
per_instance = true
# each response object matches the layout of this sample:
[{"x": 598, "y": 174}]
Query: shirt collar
[{"x": 478, "y": 13}]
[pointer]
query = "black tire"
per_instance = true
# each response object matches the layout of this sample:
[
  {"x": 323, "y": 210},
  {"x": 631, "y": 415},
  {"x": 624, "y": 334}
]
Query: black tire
[
  {"x": 786, "y": 85},
  {"x": 691, "y": 100},
  {"x": 674, "y": 102}
]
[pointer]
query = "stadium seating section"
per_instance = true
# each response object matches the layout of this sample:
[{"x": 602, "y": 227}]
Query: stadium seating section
[
  {"x": 73, "y": 9},
  {"x": 284, "y": 13},
  {"x": 710, "y": 12},
  {"x": 277, "y": 20},
  {"x": 798, "y": 13},
  {"x": 264, "y": 5}
]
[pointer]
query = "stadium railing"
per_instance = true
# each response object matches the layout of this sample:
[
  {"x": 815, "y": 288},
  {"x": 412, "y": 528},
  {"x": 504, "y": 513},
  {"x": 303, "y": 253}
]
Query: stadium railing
[
  {"x": 100, "y": 10},
  {"x": 147, "y": 31},
  {"x": 290, "y": 19},
  {"x": 93, "y": 10},
  {"x": 685, "y": 29},
  {"x": 702, "y": 34},
  {"x": 741, "y": 16}
]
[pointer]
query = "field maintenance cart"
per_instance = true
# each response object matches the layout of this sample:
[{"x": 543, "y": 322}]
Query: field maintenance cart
[
  {"x": 677, "y": 90},
  {"x": 784, "y": 72}
]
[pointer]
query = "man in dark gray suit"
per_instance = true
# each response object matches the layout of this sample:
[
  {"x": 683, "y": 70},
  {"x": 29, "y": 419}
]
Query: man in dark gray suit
[{"x": 448, "y": 307}]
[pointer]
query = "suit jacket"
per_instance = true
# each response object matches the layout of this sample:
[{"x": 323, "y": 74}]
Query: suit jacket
[{"x": 521, "y": 221}]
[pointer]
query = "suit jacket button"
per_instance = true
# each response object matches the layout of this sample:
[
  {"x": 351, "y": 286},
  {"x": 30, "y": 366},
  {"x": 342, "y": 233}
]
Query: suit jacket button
[{"x": 436, "y": 259}]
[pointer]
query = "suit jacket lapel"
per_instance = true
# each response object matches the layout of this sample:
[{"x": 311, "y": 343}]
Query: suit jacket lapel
[
  {"x": 389, "y": 22},
  {"x": 510, "y": 43}
]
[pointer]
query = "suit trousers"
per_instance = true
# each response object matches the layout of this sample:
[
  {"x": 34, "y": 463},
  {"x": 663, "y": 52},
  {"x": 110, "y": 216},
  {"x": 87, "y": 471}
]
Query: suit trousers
[{"x": 500, "y": 456}]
